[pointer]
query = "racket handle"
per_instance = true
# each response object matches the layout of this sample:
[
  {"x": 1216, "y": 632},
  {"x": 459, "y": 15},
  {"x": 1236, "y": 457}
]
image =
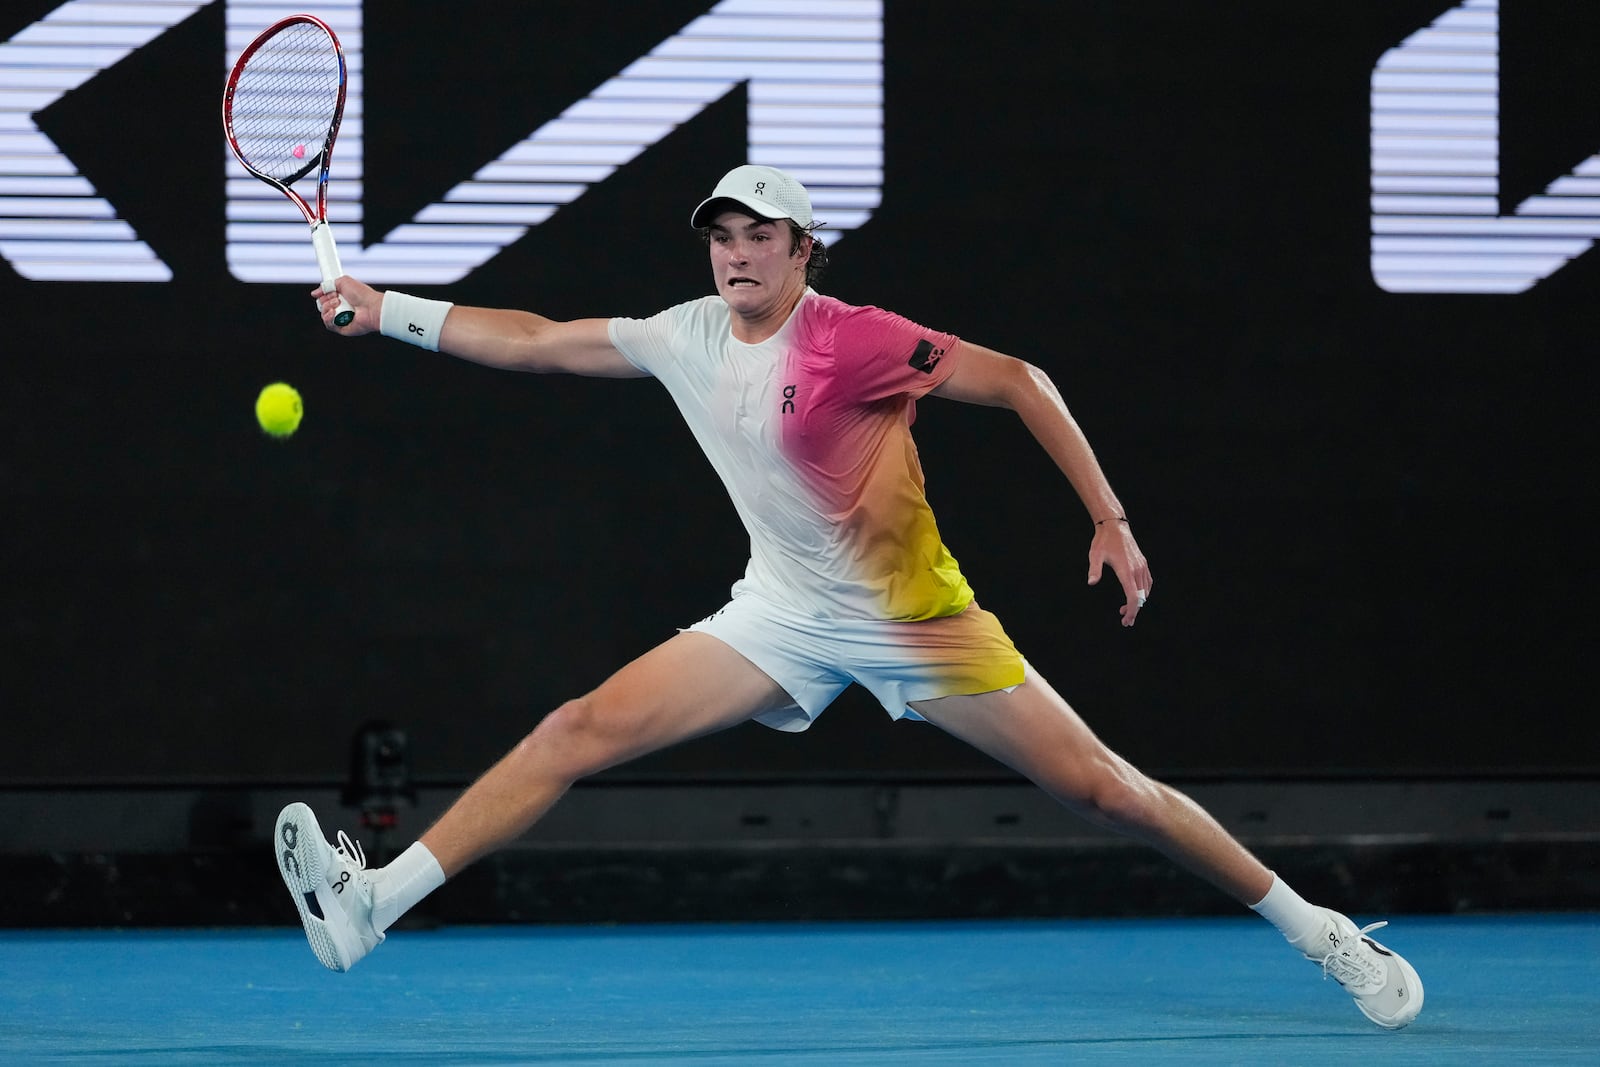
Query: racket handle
[{"x": 328, "y": 264}]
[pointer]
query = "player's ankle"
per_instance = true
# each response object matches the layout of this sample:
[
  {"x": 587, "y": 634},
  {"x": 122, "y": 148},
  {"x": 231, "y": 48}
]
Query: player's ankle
[
  {"x": 1299, "y": 921},
  {"x": 401, "y": 885}
]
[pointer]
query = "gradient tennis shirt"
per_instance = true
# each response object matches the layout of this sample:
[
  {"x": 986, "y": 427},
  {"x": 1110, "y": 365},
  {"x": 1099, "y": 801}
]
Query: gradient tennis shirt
[{"x": 810, "y": 431}]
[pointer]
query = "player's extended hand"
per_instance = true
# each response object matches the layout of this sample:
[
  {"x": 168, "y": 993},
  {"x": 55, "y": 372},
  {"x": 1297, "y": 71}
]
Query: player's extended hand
[
  {"x": 1114, "y": 544},
  {"x": 366, "y": 300}
]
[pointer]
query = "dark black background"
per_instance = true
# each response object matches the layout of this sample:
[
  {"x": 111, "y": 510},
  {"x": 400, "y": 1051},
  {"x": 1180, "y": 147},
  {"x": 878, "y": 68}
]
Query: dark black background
[{"x": 1368, "y": 514}]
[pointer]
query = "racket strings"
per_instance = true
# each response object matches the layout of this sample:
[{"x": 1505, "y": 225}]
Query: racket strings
[{"x": 286, "y": 101}]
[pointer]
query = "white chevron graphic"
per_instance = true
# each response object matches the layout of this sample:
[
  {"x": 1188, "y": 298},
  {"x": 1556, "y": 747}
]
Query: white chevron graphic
[
  {"x": 814, "y": 71},
  {"x": 1436, "y": 221},
  {"x": 54, "y": 225}
]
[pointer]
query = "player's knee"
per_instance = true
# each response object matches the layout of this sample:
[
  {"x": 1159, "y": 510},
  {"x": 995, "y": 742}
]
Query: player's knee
[
  {"x": 1117, "y": 795},
  {"x": 577, "y": 739}
]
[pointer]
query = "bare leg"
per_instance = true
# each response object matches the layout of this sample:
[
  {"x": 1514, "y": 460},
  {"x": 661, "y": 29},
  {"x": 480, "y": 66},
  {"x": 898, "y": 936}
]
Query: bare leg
[
  {"x": 691, "y": 685},
  {"x": 1033, "y": 731}
]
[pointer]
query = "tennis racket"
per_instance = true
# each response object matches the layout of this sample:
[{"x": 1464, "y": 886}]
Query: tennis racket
[{"x": 281, "y": 111}]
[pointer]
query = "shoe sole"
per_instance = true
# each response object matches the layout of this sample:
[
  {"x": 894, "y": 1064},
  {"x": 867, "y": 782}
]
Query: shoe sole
[
  {"x": 1413, "y": 1006},
  {"x": 302, "y": 861}
]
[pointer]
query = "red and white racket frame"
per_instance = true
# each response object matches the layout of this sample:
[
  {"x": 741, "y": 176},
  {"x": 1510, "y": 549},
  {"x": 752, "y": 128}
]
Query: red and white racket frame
[{"x": 321, "y": 233}]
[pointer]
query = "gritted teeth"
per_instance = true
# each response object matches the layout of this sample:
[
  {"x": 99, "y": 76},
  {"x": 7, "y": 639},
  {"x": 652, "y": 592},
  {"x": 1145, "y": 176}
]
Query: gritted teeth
[{"x": 741, "y": 281}]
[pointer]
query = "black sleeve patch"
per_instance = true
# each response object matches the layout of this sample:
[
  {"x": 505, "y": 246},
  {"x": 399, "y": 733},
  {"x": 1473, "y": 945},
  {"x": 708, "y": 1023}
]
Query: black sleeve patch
[{"x": 925, "y": 357}]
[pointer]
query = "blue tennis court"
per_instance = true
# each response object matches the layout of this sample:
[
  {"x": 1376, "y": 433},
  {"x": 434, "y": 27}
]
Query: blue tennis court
[{"x": 1519, "y": 990}]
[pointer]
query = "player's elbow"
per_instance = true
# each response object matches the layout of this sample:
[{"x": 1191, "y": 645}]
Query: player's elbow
[
  {"x": 1021, "y": 386},
  {"x": 536, "y": 348}
]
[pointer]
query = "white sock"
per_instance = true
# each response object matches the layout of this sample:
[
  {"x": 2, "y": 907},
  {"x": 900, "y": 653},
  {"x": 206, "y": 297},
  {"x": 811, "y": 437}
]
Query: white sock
[
  {"x": 398, "y": 886},
  {"x": 1295, "y": 919}
]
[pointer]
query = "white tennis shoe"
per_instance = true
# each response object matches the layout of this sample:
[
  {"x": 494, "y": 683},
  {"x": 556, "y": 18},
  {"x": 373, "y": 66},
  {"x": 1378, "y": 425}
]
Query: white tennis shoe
[
  {"x": 331, "y": 888},
  {"x": 1385, "y": 987}
]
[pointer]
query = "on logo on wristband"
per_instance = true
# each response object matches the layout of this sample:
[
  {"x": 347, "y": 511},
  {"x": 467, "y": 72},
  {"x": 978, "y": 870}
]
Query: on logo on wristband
[{"x": 413, "y": 319}]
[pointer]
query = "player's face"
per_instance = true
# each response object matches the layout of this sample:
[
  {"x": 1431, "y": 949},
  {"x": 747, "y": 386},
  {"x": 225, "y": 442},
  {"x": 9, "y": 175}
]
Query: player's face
[{"x": 755, "y": 271}]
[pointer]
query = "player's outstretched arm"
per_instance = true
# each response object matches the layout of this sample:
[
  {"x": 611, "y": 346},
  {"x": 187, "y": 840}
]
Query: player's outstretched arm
[
  {"x": 495, "y": 337},
  {"x": 984, "y": 376}
]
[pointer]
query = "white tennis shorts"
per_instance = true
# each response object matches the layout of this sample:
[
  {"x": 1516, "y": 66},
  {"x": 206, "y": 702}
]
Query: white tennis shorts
[{"x": 815, "y": 659}]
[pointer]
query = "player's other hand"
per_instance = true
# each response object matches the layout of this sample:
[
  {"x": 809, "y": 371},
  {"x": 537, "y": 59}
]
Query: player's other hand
[
  {"x": 1114, "y": 544},
  {"x": 366, "y": 300}
]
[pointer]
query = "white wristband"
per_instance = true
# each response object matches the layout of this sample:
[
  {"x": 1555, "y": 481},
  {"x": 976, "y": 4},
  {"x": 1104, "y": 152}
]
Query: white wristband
[{"x": 413, "y": 319}]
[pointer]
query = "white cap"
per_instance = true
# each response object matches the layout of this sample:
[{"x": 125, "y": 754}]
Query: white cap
[{"x": 767, "y": 191}]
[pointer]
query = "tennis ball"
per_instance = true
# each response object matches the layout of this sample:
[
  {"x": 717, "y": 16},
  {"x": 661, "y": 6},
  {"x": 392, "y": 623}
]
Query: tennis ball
[{"x": 278, "y": 409}]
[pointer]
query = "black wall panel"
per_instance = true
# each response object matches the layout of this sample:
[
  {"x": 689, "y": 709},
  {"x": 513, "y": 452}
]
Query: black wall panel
[{"x": 1369, "y": 514}]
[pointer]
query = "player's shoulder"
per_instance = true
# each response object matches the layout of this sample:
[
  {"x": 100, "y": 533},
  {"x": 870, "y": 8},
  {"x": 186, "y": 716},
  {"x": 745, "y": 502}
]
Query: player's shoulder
[
  {"x": 689, "y": 317},
  {"x": 829, "y": 309},
  {"x": 704, "y": 316},
  {"x": 697, "y": 308},
  {"x": 838, "y": 311},
  {"x": 828, "y": 316},
  {"x": 654, "y": 342},
  {"x": 838, "y": 321}
]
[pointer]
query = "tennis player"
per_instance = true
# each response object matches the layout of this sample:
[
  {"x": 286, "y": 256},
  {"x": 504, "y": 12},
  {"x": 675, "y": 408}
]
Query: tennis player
[{"x": 803, "y": 404}]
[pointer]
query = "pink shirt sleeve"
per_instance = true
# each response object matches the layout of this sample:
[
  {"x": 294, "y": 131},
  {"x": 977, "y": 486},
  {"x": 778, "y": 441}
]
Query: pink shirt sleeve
[{"x": 879, "y": 354}]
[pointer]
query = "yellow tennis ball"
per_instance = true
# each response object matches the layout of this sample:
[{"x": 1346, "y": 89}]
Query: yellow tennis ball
[{"x": 278, "y": 409}]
